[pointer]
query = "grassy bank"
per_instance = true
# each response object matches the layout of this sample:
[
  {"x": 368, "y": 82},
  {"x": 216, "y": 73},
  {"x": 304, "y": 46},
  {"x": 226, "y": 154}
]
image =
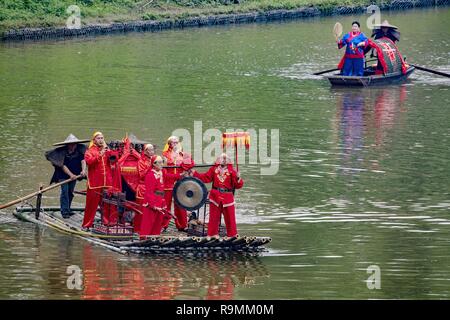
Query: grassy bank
[{"x": 17, "y": 14}]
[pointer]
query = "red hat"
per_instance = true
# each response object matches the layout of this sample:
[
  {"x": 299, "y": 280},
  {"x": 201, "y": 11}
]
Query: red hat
[{"x": 155, "y": 158}]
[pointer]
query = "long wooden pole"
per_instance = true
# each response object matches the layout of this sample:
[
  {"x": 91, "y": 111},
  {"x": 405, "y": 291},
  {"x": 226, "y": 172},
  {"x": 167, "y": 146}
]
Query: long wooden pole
[
  {"x": 196, "y": 166},
  {"x": 325, "y": 71},
  {"x": 41, "y": 191},
  {"x": 431, "y": 71}
]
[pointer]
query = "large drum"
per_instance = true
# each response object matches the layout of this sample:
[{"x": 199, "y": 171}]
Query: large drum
[{"x": 190, "y": 193}]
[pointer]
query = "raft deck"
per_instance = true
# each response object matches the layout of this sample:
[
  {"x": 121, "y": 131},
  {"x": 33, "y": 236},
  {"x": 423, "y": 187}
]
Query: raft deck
[{"x": 171, "y": 241}]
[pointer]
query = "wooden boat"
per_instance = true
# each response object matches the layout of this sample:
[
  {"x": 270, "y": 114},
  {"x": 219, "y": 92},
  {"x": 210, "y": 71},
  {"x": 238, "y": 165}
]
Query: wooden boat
[
  {"x": 120, "y": 238},
  {"x": 369, "y": 78}
]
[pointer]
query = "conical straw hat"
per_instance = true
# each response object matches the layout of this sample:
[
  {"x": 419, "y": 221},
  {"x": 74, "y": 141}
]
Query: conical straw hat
[
  {"x": 71, "y": 139},
  {"x": 385, "y": 24}
]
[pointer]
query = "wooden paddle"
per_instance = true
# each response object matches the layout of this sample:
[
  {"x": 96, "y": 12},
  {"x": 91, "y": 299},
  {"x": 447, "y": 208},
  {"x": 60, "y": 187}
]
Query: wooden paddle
[
  {"x": 431, "y": 71},
  {"x": 326, "y": 71},
  {"x": 6, "y": 205}
]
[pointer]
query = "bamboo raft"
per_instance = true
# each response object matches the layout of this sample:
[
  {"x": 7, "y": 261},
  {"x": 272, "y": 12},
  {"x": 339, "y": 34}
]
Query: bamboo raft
[{"x": 171, "y": 241}]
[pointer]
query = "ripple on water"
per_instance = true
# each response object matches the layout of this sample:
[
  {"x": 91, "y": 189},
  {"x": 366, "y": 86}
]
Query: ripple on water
[{"x": 300, "y": 71}]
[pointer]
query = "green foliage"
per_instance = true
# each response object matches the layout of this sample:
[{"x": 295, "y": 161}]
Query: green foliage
[{"x": 35, "y": 13}]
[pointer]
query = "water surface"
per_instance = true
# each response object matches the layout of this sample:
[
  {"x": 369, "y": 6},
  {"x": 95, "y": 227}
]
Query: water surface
[{"x": 363, "y": 176}]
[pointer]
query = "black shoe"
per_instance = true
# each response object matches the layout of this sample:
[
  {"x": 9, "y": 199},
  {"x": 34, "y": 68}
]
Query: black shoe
[
  {"x": 65, "y": 215},
  {"x": 72, "y": 213}
]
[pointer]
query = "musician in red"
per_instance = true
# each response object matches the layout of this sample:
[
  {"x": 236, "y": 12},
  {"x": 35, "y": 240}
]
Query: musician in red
[
  {"x": 99, "y": 179},
  {"x": 144, "y": 165},
  {"x": 155, "y": 207},
  {"x": 175, "y": 156},
  {"x": 224, "y": 181}
]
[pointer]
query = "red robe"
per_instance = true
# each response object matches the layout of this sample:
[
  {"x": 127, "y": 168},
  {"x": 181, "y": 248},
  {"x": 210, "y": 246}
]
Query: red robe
[
  {"x": 99, "y": 174},
  {"x": 144, "y": 165},
  {"x": 99, "y": 179},
  {"x": 221, "y": 198},
  {"x": 153, "y": 220},
  {"x": 172, "y": 161},
  {"x": 181, "y": 158},
  {"x": 229, "y": 181}
]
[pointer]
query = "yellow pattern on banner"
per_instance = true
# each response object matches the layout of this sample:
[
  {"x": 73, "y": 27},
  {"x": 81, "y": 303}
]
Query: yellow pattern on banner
[{"x": 236, "y": 138}]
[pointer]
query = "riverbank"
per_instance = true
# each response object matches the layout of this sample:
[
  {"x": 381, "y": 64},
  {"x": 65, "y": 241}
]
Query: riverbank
[{"x": 42, "y": 22}]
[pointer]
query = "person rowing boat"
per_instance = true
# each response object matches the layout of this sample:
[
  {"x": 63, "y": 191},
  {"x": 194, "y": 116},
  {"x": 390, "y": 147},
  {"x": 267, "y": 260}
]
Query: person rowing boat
[
  {"x": 68, "y": 161},
  {"x": 386, "y": 30},
  {"x": 386, "y": 35}
]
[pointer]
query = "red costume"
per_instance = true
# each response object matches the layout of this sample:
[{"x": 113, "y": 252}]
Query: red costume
[
  {"x": 153, "y": 219},
  {"x": 99, "y": 179},
  {"x": 175, "y": 160},
  {"x": 224, "y": 181},
  {"x": 144, "y": 165},
  {"x": 389, "y": 57}
]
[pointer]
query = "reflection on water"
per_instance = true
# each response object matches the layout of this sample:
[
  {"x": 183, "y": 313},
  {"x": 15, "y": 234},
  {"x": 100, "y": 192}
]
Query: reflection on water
[
  {"x": 45, "y": 255},
  {"x": 166, "y": 277},
  {"x": 365, "y": 117},
  {"x": 352, "y": 127}
]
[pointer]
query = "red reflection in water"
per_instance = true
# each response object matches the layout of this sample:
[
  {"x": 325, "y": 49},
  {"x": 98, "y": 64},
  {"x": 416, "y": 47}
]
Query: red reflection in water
[
  {"x": 103, "y": 279},
  {"x": 164, "y": 278}
]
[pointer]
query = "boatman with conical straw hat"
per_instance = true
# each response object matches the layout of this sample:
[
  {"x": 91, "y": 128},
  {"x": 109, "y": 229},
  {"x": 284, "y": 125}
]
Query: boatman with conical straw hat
[
  {"x": 68, "y": 161},
  {"x": 384, "y": 44},
  {"x": 386, "y": 30}
]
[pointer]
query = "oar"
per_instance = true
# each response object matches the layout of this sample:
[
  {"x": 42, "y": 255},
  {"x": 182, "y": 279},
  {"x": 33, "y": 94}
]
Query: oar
[
  {"x": 326, "y": 71},
  {"x": 6, "y": 205},
  {"x": 431, "y": 71}
]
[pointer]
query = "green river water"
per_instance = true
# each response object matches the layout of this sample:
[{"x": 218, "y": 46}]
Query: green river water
[{"x": 363, "y": 174}]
